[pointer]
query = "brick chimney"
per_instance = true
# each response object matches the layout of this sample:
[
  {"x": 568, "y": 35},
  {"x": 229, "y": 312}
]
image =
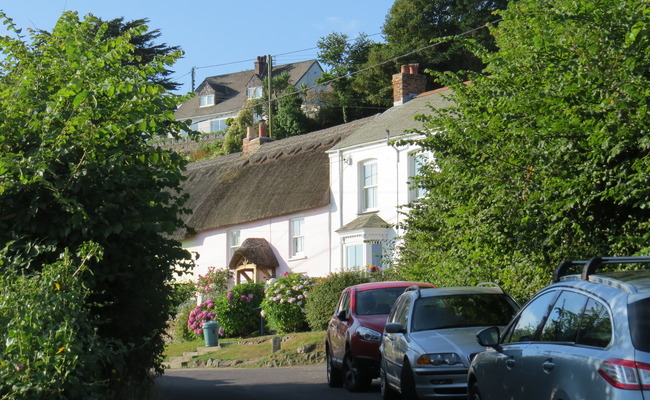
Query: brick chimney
[
  {"x": 260, "y": 65},
  {"x": 252, "y": 142},
  {"x": 408, "y": 84}
]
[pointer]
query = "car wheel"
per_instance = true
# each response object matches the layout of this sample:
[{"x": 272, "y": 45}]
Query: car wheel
[
  {"x": 387, "y": 393},
  {"x": 407, "y": 382},
  {"x": 334, "y": 375},
  {"x": 354, "y": 379},
  {"x": 474, "y": 393}
]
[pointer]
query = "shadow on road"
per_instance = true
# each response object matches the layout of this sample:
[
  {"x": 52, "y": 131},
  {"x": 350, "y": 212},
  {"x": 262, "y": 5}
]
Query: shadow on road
[{"x": 298, "y": 383}]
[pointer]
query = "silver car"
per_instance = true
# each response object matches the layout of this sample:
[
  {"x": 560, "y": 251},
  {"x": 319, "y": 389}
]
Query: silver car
[
  {"x": 586, "y": 336},
  {"x": 430, "y": 338}
]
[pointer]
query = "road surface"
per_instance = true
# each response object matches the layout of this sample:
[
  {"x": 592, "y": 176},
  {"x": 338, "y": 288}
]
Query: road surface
[{"x": 293, "y": 383}]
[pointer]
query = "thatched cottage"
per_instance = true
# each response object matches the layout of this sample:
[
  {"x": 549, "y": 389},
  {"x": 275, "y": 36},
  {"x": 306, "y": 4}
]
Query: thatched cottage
[{"x": 315, "y": 203}]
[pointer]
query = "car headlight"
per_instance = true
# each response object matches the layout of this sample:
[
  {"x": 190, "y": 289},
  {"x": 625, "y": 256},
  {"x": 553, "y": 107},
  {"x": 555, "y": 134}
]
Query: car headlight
[
  {"x": 439, "y": 359},
  {"x": 369, "y": 334}
]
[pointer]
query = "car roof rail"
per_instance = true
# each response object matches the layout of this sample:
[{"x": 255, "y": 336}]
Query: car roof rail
[
  {"x": 414, "y": 288},
  {"x": 590, "y": 266},
  {"x": 491, "y": 284}
]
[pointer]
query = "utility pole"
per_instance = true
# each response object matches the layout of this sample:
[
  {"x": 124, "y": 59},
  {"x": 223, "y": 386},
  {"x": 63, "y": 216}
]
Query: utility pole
[
  {"x": 270, "y": 66},
  {"x": 193, "y": 72}
]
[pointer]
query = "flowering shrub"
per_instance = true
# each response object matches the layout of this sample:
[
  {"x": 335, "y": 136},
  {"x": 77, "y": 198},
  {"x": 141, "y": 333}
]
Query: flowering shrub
[
  {"x": 202, "y": 313},
  {"x": 372, "y": 268},
  {"x": 214, "y": 283},
  {"x": 239, "y": 310},
  {"x": 284, "y": 302}
]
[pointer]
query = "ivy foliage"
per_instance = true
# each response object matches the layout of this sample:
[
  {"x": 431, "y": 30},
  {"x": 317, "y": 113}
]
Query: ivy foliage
[
  {"x": 79, "y": 108},
  {"x": 544, "y": 157}
]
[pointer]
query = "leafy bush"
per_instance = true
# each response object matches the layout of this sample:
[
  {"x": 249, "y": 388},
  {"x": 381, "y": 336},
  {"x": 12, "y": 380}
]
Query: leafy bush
[
  {"x": 284, "y": 302},
  {"x": 181, "y": 292},
  {"x": 180, "y": 329},
  {"x": 325, "y": 294},
  {"x": 48, "y": 346},
  {"x": 214, "y": 283},
  {"x": 90, "y": 175},
  {"x": 238, "y": 312}
]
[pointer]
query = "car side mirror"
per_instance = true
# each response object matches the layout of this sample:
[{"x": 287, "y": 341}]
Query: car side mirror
[
  {"x": 342, "y": 315},
  {"x": 488, "y": 337},
  {"x": 394, "y": 327}
]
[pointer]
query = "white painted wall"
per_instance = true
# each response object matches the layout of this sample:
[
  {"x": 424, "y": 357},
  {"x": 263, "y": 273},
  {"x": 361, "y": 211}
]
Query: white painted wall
[
  {"x": 393, "y": 176},
  {"x": 214, "y": 250}
]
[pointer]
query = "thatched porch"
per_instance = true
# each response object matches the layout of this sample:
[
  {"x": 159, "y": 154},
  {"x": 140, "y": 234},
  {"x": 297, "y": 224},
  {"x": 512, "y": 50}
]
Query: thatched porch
[{"x": 253, "y": 261}]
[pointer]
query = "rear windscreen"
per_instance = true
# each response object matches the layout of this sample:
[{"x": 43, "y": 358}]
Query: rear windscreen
[
  {"x": 377, "y": 301},
  {"x": 454, "y": 311},
  {"x": 639, "y": 316}
]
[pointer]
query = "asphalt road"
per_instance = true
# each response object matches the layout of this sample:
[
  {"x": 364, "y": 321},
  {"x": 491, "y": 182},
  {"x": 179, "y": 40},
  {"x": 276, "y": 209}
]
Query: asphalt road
[{"x": 294, "y": 383}]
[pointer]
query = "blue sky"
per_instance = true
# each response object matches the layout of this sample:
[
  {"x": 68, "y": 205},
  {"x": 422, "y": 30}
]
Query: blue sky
[{"x": 219, "y": 36}]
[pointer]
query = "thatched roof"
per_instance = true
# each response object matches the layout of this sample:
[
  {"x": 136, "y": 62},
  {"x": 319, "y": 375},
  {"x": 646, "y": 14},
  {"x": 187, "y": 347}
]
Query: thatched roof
[
  {"x": 256, "y": 251},
  {"x": 279, "y": 178}
]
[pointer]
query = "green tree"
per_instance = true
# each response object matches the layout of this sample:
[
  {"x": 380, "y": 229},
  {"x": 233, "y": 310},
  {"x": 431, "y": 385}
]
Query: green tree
[
  {"x": 146, "y": 49},
  {"x": 544, "y": 157},
  {"x": 76, "y": 167},
  {"x": 413, "y": 32},
  {"x": 232, "y": 142},
  {"x": 342, "y": 58},
  {"x": 287, "y": 118}
]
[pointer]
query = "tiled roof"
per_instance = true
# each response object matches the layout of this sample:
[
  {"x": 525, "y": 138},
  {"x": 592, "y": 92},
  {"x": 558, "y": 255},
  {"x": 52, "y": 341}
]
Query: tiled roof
[
  {"x": 398, "y": 119},
  {"x": 230, "y": 90}
]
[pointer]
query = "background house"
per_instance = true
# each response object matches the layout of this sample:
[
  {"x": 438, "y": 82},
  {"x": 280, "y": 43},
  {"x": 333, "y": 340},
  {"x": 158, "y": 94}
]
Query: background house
[{"x": 222, "y": 96}]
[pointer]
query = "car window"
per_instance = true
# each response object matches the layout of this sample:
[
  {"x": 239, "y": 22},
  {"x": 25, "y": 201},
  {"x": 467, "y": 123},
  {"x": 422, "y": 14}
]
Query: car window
[
  {"x": 344, "y": 303},
  {"x": 596, "y": 326},
  {"x": 377, "y": 301},
  {"x": 397, "y": 308},
  {"x": 402, "y": 314},
  {"x": 460, "y": 310},
  {"x": 639, "y": 319},
  {"x": 530, "y": 319},
  {"x": 564, "y": 319}
]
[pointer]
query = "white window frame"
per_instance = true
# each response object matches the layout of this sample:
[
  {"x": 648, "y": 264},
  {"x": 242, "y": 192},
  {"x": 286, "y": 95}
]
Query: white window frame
[
  {"x": 218, "y": 125},
  {"x": 297, "y": 233},
  {"x": 234, "y": 241},
  {"x": 369, "y": 185},
  {"x": 416, "y": 161},
  {"x": 355, "y": 250},
  {"x": 206, "y": 100},
  {"x": 254, "y": 92}
]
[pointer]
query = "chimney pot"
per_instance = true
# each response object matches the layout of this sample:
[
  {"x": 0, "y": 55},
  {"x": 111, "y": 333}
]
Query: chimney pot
[
  {"x": 407, "y": 84},
  {"x": 260, "y": 65},
  {"x": 250, "y": 132},
  {"x": 262, "y": 130}
]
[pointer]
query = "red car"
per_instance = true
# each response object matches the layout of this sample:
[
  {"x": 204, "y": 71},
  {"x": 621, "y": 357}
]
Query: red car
[{"x": 354, "y": 332}]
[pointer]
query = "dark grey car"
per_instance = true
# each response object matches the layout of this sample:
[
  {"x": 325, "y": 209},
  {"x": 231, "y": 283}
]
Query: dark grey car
[
  {"x": 586, "y": 336},
  {"x": 430, "y": 338}
]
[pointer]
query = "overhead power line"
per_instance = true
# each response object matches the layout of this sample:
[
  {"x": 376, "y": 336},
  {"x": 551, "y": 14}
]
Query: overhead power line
[{"x": 437, "y": 41}]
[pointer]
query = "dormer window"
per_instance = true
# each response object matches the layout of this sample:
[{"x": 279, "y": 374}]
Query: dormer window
[
  {"x": 254, "y": 92},
  {"x": 207, "y": 100}
]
